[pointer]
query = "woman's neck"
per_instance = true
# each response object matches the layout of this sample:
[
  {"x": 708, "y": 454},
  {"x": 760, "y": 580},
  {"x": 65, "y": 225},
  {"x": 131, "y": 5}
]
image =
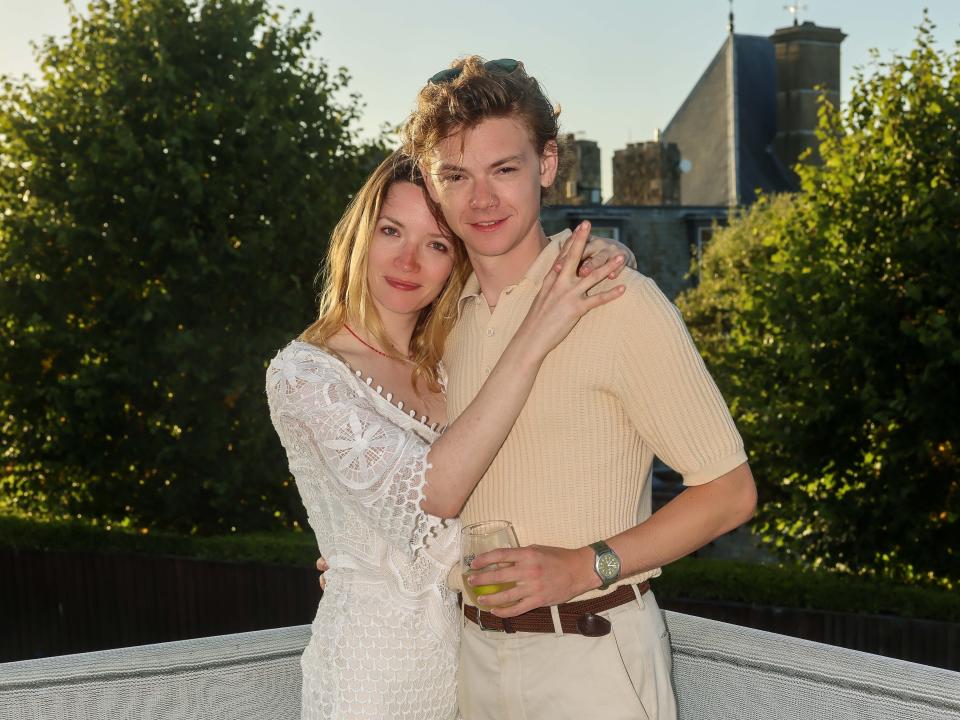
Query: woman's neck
[{"x": 397, "y": 328}]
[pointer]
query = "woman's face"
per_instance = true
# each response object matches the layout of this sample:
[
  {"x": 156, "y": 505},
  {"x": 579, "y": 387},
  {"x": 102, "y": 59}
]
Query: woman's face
[{"x": 409, "y": 259}]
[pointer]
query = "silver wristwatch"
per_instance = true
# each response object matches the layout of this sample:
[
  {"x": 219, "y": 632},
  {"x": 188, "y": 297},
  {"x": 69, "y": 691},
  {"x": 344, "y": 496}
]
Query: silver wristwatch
[{"x": 606, "y": 564}]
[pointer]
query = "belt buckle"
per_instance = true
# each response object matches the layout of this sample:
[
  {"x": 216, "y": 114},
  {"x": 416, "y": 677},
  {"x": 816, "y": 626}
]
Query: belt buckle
[{"x": 486, "y": 629}]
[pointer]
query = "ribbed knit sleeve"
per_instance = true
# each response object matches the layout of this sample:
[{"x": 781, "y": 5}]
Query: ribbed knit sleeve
[{"x": 667, "y": 391}]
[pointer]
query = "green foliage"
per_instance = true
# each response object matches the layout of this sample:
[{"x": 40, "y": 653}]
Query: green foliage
[
  {"x": 831, "y": 322},
  {"x": 795, "y": 587},
  {"x": 279, "y": 547},
  {"x": 167, "y": 190},
  {"x": 695, "y": 578}
]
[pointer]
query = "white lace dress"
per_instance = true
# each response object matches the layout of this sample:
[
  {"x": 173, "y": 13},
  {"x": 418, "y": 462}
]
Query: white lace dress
[{"x": 385, "y": 636}]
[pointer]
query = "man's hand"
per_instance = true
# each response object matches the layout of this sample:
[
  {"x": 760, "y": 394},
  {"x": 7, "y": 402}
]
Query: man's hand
[{"x": 543, "y": 576}]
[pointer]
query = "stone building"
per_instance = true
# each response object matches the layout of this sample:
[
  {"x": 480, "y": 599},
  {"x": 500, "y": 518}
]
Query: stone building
[
  {"x": 646, "y": 173},
  {"x": 579, "y": 180},
  {"x": 752, "y": 112},
  {"x": 808, "y": 66},
  {"x": 667, "y": 239},
  {"x": 741, "y": 129}
]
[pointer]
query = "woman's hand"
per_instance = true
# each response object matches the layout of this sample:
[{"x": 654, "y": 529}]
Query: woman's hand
[
  {"x": 598, "y": 251},
  {"x": 563, "y": 297},
  {"x": 460, "y": 457},
  {"x": 322, "y": 566}
]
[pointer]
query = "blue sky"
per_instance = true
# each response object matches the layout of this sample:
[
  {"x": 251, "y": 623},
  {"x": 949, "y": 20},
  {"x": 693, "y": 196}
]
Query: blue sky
[{"x": 618, "y": 68}]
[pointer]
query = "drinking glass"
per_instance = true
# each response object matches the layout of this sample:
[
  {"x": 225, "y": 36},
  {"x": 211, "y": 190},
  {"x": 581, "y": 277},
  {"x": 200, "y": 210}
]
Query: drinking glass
[{"x": 479, "y": 538}]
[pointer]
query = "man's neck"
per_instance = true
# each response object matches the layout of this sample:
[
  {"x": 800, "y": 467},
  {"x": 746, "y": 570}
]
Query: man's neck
[{"x": 495, "y": 273}]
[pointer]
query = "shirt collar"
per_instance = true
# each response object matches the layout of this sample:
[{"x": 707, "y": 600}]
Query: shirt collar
[{"x": 534, "y": 273}]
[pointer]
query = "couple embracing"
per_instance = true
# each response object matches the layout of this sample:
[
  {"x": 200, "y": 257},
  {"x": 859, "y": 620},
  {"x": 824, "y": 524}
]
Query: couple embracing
[{"x": 465, "y": 365}]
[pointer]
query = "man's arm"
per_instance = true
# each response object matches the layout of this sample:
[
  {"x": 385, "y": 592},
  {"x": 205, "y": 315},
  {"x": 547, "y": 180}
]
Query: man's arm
[
  {"x": 677, "y": 409},
  {"x": 551, "y": 575}
]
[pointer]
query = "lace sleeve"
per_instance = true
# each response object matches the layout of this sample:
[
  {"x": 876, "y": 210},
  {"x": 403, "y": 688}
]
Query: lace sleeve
[{"x": 339, "y": 436}]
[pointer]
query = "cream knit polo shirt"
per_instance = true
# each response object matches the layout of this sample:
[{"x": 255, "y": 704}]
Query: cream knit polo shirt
[{"x": 626, "y": 384}]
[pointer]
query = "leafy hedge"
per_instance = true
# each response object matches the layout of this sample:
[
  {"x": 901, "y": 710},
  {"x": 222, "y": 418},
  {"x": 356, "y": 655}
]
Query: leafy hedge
[
  {"x": 287, "y": 548},
  {"x": 791, "y": 586},
  {"x": 694, "y": 578}
]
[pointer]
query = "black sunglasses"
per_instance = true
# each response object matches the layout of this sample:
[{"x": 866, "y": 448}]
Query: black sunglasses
[{"x": 506, "y": 65}]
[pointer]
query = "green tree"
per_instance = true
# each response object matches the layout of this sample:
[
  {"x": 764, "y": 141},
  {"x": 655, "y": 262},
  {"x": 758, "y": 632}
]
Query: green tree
[
  {"x": 166, "y": 192},
  {"x": 832, "y": 323}
]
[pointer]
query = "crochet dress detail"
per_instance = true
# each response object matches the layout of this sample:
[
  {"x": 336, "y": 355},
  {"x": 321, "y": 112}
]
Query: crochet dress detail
[{"x": 384, "y": 641}]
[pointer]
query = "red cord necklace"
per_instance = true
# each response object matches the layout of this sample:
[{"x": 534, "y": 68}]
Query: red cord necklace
[{"x": 364, "y": 342}]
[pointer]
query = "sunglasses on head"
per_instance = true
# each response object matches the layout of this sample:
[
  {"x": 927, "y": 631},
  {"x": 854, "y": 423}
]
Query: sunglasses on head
[{"x": 505, "y": 65}]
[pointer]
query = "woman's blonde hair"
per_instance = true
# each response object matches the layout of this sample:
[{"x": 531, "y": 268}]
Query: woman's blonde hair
[{"x": 345, "y": 296}]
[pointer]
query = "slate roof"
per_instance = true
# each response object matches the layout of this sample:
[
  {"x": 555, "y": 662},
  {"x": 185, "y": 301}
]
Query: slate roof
[{"x": 726, "y": 125}]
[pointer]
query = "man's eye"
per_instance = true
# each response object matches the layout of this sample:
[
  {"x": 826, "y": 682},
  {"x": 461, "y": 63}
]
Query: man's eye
[
  {"x": 506, "y": 170},
  {"x": 452, "y": 178}
]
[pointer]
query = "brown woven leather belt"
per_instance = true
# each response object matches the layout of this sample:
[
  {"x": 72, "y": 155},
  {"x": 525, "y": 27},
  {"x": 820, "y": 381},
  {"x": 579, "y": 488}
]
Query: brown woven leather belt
[{"x": 578, "y": 618}]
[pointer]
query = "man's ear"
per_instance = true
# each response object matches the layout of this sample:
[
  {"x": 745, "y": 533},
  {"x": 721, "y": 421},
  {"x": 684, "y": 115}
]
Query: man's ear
[
  {"x": 428, "y": 182},
  {"x": 548, "y": 163}
]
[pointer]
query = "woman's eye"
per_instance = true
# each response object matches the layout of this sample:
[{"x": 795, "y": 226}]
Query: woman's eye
[
  {"x": 436, "y": 245},
  {"x": 390, "y": 230}
]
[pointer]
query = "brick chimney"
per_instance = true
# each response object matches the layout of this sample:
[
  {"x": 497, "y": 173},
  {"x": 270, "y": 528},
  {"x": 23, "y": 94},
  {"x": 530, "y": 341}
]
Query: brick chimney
[
  {"x": 807, "y": 56},
  {"x": 646, "y": 173},
  {"x": 580, "y": 181}
]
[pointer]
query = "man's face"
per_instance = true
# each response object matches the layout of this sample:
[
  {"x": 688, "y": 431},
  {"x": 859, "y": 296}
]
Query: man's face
[{"x": 487, "y": 181}]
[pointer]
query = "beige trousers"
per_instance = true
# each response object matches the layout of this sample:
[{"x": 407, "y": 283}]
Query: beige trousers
[{"x": 533, "y": 676}]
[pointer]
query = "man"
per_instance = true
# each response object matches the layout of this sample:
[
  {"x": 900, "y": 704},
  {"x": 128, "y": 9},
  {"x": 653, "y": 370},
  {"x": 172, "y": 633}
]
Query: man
[{"x": 579, "y": 634}]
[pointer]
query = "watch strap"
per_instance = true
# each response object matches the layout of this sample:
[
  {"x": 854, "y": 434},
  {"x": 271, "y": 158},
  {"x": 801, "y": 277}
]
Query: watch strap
[{"x": 601, "y": 548}]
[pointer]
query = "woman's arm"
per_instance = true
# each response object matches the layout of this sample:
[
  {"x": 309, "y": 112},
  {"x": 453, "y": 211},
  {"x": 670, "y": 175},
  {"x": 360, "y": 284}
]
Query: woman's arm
[
  {"x": 389, "y": 474},
  {"x": 464, "y": 452}
]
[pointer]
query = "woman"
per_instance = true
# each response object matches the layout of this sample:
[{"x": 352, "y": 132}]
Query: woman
[{"x": 358, "y": 403}]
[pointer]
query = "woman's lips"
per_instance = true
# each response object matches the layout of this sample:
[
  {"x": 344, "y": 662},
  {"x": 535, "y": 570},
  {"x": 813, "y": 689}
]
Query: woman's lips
[{"x": 400, "y": 284}]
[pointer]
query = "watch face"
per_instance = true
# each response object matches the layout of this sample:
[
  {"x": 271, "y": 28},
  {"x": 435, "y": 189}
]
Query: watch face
[{"x": 608, "y": 565}]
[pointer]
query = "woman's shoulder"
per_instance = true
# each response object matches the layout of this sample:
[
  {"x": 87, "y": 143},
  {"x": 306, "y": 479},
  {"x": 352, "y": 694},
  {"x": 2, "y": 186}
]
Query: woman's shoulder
[
  {"x": 301, "y": 351},
  {"x": 300, "y": 362}
]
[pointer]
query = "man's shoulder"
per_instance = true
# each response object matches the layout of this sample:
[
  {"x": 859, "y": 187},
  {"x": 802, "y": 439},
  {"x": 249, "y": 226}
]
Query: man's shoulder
[{"x": 640, "y": 293}]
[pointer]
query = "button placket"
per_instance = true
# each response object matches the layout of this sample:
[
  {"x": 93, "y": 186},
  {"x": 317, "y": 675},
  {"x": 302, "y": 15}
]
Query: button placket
[
  {"x": 489, "y": 347},
  {"x": 483, "y": 323}
]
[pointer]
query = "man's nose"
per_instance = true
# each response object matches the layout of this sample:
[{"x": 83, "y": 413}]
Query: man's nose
[{"x": 483, "y": 196}]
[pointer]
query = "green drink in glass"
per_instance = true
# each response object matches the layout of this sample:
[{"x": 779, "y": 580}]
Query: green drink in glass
[{"x": 480, "y": 538}]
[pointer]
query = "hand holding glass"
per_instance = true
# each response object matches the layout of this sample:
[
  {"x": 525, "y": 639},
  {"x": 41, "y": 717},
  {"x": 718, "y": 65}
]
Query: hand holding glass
[{"x": 480, "y": 538}]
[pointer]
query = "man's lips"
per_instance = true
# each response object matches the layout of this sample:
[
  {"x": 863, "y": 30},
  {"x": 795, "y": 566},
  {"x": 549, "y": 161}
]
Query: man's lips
[
  {"x": 488, "y": 225},
  {"x": 400, "y": 284}
]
